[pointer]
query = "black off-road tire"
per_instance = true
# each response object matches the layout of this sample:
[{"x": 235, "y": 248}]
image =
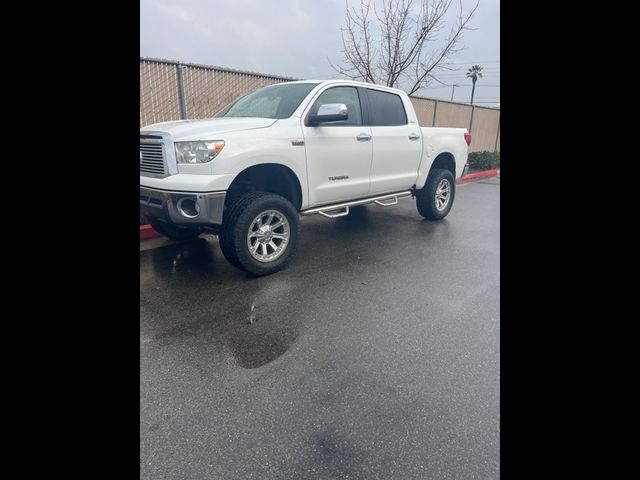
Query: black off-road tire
[
  {"x": 174, "y": 232},
  {"x": 426, "y": 197},
  {"x": 225, "y": 239},
  {"x": 235, "y": 228}
]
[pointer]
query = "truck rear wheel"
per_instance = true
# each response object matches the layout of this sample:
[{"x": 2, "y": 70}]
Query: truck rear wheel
[
  {"x": 174, "y": 232},
  {"x": 435, "y": 199},
  {"x": 260, "y": 233}
]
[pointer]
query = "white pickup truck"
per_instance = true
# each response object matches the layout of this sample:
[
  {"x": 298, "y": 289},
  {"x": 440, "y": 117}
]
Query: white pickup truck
[{"x": 297, "y": 148}]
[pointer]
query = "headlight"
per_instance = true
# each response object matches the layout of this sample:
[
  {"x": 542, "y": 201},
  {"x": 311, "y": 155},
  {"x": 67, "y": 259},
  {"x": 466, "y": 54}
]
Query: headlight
[{"x": 198, "y": 152}]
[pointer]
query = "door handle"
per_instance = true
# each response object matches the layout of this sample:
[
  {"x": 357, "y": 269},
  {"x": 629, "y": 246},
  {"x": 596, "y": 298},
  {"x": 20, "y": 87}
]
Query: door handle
[
  {"x": 414, "y": 136},
  {"x": 363, "y": 137}
]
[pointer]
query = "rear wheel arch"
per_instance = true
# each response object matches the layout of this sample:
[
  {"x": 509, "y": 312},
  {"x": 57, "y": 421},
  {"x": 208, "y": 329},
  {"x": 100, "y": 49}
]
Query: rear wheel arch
[{"x": 445, "y": 161}]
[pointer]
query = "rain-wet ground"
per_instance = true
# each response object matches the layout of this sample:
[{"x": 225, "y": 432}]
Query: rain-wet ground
[{"x": 374, "y": 354}]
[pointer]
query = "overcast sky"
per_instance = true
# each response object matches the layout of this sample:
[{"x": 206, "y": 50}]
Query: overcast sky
[{"x": 294, "y": 38}]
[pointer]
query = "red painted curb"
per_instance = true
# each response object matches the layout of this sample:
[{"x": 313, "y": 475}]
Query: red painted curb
[
  {"x": 147, "y": 232},
  {"x": 484, "y": 173}
]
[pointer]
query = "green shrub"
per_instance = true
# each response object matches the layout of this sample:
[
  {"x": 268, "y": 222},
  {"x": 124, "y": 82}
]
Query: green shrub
[{"x": 484, "y": 160}]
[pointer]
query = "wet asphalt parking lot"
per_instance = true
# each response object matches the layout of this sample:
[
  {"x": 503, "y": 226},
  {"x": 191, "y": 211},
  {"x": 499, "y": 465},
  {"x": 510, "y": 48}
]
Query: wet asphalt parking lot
[{"x": 374, "y": 355}]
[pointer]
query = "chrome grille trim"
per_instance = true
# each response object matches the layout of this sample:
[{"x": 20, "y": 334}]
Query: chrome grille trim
[{"x": 152, "y": 158}]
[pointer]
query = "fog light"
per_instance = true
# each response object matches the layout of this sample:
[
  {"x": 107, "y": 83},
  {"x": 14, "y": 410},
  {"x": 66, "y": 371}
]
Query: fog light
[{"x": 188, "y": 207}]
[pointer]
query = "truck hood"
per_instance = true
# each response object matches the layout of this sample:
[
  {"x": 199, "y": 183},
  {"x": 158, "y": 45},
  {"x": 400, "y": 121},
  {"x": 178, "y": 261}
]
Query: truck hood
[{"x": 208, "y": 129}]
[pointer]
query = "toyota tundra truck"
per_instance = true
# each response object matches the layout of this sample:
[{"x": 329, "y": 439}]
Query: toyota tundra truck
[{"x": 290, "y": 149}]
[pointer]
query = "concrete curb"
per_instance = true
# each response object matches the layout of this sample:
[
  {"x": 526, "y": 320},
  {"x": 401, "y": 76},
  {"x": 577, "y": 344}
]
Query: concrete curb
[
  {"x": 475, "y": 175},
  {"x": 147, "y": 232}
]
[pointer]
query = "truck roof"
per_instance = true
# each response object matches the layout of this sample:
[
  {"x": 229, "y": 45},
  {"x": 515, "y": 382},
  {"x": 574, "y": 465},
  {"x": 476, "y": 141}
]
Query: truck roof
[{"x": 346, "y": 82}]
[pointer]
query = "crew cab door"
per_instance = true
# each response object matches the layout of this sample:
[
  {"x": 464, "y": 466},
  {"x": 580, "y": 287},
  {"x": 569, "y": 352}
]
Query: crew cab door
[
  {"x": 338, "y": 153},
  {"x": 397, "y": 143}
]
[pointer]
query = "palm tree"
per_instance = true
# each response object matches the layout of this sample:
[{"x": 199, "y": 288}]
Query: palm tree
[{"x": 473, "y": 73}]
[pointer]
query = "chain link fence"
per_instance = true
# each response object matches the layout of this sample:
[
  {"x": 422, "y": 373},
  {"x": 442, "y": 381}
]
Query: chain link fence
[{"x": 171, "y": 90}]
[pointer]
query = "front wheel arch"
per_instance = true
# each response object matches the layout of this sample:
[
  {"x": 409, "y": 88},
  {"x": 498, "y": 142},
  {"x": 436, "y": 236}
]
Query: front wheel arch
[{"x": 266, "y": 177}]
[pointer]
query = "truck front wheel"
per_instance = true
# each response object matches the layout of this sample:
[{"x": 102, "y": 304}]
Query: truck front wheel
[
  {"x": 260, "y": 233},
  {"x": 435, "y": 199}
]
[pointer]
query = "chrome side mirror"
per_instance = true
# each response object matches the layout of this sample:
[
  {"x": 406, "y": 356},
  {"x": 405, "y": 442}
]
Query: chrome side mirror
[{"x": 329, "y": 112}]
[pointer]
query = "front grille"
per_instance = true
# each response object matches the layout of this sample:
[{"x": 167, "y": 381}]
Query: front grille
[{"x": 152, "y": 159}]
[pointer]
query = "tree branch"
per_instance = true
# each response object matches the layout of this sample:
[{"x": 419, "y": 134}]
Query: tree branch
[{"x": 404, "y": 34}]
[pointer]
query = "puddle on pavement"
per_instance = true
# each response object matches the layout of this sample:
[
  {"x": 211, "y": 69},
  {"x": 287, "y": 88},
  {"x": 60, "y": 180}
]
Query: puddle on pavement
[
  {"x": 253, "y": 346},
  {"x": 187, "y": 278},
  {"x": 185, "y": 258}
]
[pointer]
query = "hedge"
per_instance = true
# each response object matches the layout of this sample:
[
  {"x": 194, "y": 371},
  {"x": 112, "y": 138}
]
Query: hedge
[{"x": 484, "y": 160}]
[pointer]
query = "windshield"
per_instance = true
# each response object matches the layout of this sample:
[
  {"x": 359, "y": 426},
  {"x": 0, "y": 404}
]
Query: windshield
[{"x": 278, "y": 101}]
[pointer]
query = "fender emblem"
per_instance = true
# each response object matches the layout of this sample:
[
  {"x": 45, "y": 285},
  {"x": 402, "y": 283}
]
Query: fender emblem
[
  {"x": 341, "y": 177},
  {"x": 298, "y": 142}
]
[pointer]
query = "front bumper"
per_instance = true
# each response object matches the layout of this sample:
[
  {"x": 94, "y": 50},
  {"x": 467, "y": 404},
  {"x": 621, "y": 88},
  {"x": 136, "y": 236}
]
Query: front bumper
[
  {"x": 163, "y": 205},
  {"x": 465, "y": 170}
]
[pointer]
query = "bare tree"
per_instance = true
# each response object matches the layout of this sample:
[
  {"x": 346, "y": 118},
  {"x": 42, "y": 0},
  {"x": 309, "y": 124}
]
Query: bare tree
[{"x": 403, "y": 48}]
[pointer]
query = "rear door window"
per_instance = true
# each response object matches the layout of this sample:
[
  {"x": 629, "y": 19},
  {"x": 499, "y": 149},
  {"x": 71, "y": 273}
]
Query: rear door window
[{"x": 385, "y": 109}]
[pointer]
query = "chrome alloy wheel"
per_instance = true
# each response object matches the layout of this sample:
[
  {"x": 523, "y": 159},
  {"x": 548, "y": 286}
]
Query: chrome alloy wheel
[
  {"x": 443, "y": 194},
  {"x": 268, "y": 236}
]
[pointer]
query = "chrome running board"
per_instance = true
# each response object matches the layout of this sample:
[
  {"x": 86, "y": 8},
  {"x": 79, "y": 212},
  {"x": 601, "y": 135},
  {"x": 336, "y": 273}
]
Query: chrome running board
[{"x": 387, "y": 200}]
